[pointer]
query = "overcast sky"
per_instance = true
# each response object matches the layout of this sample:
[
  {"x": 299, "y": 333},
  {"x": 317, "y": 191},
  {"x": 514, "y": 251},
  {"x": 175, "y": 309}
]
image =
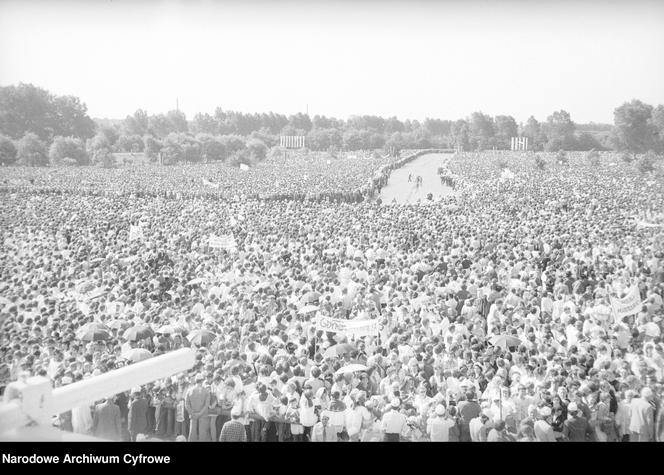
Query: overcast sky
[{"x": 412, "y": 60}]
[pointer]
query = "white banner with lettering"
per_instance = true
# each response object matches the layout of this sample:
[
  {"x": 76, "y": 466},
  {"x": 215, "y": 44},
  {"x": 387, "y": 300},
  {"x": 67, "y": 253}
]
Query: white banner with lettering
[
  {"x": 628, "y": 305},
  {"x": 350, "y": 328},
  {"x": 223, "y": 242}
]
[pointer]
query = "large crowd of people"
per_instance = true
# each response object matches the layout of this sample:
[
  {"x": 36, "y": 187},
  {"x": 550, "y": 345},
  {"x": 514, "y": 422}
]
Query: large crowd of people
[{"x": 496, "y": 316}]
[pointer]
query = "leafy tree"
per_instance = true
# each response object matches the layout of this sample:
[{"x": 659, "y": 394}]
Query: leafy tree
[
  {"x": 233, "y": 143},
  {"x": 634, "y": 131},
  {"x": 460, "y": 134},
  {"x": 300, "y": 121},
  {"x": 26, "y": 108},
  {"x": 159, "y": 125},
  {"x": 32, "y": 151},
  {"x": 212, "y": 149},
  {"x": 532, "y": 130},
  {"x": 356, "y": 139},
  {"x": 99, "y": 148},
  {"x": 482, "y": 131},
  {"x": 136, "y": 124},
  {"x": 129, "y": 143},
  {"x": 172, "y": 151},
  {"x": 393, "y": 125},
  {"x": 257, "y": 150},
  {"x": 110, "y": 133},
  {"x": 71, "y": 118},
  {"x": 506, "y": 128},
  {"x": 151, "y": 147},
  {"x": 657, "y": 124},
  {"x": 587, "y": 141},
  {"x": 178, "y": 121},
  {"x": 7, "y": 151},
  {"x": 204, "y": 124},
  {"x": 68, "y": 147},
  {"x": 560, "y": 131}
]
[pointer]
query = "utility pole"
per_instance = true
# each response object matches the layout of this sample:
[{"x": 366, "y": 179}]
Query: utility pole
[{"x": 177, "y": 104}]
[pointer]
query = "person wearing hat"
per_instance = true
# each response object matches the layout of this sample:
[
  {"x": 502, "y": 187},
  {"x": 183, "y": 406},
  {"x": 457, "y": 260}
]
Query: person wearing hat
[
  {"x": 233, "y": 430},
  {"x": 543, "y": 429},
  {"x": 393, "y": 422},
  {"x": 577, "y": 428},
  {"x": 438, "y": 427},
  {"x": 197, "y": 404},
  {"x": 138, "y": 414}
]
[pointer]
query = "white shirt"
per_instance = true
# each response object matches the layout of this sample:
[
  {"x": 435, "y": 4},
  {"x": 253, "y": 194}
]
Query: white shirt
[
  {"x": 393, "y": 422},
  {"x": 439, "y": 429}
]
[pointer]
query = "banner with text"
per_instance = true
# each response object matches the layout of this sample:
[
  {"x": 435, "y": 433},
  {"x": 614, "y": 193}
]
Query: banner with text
[
  {"x": 223, "y": 242},
  {"x": 350, "y": 328},
  {"x": 628, "y": 305}
]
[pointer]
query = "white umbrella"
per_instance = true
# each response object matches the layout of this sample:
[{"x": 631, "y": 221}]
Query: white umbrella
[
  {"x": 351, "y": 368},
  {"x": 308, "y": 309}
]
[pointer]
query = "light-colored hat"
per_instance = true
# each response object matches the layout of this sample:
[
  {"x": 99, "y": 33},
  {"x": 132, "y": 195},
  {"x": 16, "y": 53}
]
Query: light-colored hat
[
  {"x": 572, "y": 407},
  {"x": 545, "y": 411},
  {"x": 440, "y": 410}
]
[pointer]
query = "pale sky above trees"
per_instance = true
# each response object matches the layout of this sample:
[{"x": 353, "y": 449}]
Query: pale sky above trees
[{"x": 408, "y": 59}]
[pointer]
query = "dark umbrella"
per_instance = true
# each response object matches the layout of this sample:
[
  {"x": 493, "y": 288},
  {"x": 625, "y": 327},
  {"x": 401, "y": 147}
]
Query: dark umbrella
[
  {"x": 505, "y": 341},
  {"x": 201, "y": 337},
  {"x": 139, "y": 332},
  {"x": 339, "y": 350},
  {"x": 93, "y": 332}
]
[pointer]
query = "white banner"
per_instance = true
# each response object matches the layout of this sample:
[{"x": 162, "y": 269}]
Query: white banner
[
  {"x": 135, "y": 233},
  {"x": 223, "y": 242},
  {"x": 646, "y": 224},
  {"x": 209, "y": 183},
  {"x": 628, "y": 305},
  {"x": 350, "y": 328}
]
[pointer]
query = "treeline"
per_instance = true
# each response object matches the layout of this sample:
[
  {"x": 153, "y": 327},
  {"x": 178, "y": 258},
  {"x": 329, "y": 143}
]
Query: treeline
[{"x": 39, "y": 128}]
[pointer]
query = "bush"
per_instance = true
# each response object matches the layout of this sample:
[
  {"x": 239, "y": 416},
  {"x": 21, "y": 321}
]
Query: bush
[
  {"x": 539, "y": 162},
  {"x": 502, "y": 164},
  {"x": 32, "y": 151},
  {"x": 7, "y": 151},
  {"x": 257, "y": 150},
  {"x": 68, "y": 147},
  {"x": 69, "y": 162}
]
